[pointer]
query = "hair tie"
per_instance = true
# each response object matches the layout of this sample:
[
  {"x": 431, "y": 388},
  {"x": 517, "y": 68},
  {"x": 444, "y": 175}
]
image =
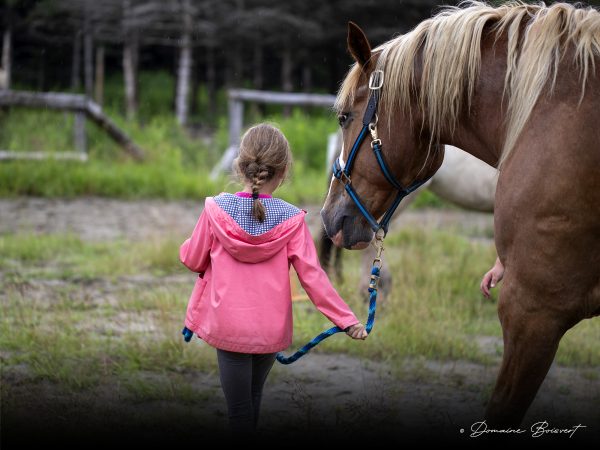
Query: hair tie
[{"x": 255, "y": 195}]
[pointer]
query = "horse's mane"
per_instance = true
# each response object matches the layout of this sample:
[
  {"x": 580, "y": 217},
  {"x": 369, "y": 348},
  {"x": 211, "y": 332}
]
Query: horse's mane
[{"x": 451, "y": 58}]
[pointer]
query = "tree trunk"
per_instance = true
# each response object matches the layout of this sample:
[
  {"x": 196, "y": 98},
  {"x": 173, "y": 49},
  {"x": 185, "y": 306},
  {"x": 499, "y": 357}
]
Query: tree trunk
[
  {"x": 99, "y": 87},
  {"x": 185, "y": 66},
  {"x": 41, "y": 69},
  {"x": 286, "y": 74},
  {"x": 88, "y": 55},
  {"x": 233, "y": 70},
  {"x": 333, "y": 69},
  {"x": 130, "y": 51},
  {"x": 258, "y": 78},
  {"x": 76, "y": 62},
  {"x": 306, "y": 78},
  {"x": 306, "y": 81},
  {"x": 211, "y": 77},
  {"x": 195, "y": 83},
  {"x": 5, "y": 73},
  {"x": 130, "y": 62}
]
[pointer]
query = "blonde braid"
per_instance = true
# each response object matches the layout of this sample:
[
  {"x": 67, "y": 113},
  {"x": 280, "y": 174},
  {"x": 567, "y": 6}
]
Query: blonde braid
[{"x": 260, "y": 177}]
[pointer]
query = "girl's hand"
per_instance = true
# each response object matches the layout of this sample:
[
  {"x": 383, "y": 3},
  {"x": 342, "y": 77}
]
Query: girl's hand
[
  {"x": 492, "y": 278},
  {"x": 357, "y": 331}
]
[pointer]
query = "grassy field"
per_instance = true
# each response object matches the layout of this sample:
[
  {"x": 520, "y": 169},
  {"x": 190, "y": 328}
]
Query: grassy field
[
  {"x": 178, "y": 161},
  {"x": 74, "y": 312},
  {"x": 177, "y": 166}
]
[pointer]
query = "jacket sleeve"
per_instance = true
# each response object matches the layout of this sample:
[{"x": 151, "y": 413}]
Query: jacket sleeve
[
  {"x": 303, "y": 256},
  {"x": 194, "y": 253}
]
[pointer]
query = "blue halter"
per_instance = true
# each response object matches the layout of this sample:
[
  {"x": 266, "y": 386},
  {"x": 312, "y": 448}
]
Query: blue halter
[{"x": 370, "y": 125}]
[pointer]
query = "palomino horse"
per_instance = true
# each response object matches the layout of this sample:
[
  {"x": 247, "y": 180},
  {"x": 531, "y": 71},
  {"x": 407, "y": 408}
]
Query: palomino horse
[{"x": 518, "y": 87}]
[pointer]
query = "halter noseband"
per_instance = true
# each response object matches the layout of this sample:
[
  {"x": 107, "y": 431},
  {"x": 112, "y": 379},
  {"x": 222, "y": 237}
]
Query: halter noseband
[{"x": 370, "y": 125}]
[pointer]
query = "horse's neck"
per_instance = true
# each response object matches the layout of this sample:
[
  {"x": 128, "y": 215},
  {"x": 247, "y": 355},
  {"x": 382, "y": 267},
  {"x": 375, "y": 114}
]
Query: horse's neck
[{"x": 480, "y": 131}]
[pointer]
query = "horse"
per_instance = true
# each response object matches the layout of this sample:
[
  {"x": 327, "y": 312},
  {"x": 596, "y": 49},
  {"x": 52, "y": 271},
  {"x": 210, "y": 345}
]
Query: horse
[
  {"x": 462, "y": 180},
  {"x": 517, "y": 86}
]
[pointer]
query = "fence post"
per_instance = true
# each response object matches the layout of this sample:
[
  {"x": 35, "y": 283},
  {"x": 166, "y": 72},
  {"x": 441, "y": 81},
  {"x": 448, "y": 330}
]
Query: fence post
[
  {"x": 237, "y": 97},
  {"x": 236, "y": 121},
  {"x": 79, "y": 133}
]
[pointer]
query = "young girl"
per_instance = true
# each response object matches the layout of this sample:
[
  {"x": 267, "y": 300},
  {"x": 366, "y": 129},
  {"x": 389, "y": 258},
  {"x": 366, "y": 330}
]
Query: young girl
[{"x": 242, "y": 248}]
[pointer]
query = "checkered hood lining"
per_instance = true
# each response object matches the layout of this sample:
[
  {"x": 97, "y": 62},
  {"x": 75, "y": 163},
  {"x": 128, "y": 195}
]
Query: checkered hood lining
[{"x": 240, "y": 210}]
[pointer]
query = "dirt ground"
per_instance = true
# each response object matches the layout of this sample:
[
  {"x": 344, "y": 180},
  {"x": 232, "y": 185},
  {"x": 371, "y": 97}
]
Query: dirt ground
[
  {"x": 96, "y": 218},
  {"x": 321, "y": 392}
]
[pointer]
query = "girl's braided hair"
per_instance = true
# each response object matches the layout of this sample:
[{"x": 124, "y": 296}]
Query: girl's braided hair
[{"x": 264, "y": 153}]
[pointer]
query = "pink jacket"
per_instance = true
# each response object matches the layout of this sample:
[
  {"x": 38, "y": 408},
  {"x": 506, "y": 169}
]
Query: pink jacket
[{"x": 241, "y": 301}]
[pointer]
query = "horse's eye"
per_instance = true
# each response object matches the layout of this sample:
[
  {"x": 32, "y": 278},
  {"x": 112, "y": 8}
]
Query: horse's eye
[{"x": 342, "y": 119}]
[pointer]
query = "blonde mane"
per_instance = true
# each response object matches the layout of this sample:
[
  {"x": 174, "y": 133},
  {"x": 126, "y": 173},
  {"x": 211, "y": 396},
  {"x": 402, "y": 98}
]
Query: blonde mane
[{"x": 451, "y": 58}]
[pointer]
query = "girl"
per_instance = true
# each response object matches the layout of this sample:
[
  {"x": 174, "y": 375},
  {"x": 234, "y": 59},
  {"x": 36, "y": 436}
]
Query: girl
[{"x": 242, "y": 247}]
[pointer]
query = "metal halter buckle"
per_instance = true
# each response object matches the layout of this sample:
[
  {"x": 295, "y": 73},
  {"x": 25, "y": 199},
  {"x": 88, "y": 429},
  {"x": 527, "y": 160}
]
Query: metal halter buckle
[
  {"x": 376, "y": 80},
  {"x": 344, "y": 178}
]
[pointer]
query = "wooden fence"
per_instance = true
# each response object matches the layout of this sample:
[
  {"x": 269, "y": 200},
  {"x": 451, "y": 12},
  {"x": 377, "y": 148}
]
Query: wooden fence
[
  {"x": 82, "y": 107},
  {"x": 237, "y": 98}
]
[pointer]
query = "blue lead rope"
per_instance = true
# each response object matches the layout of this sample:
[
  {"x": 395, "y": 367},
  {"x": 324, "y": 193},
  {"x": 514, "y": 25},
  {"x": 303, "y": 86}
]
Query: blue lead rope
[
  {"x": 187, "y": 333},
  {"x": 331, "y": 331}
]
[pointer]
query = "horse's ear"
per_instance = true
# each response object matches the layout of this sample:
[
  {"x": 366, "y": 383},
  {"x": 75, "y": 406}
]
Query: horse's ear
[{"x": 358, "y": 44}]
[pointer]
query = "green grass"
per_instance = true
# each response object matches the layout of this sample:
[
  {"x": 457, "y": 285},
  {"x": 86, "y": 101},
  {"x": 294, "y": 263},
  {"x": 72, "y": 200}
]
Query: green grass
[
  {"x": 177, "y": 167},
  {"x": 89, "y": 324},
  {"x": 435, "y": 309},
  {"x": 427, "y": 199},
  {"x": 133, "y": 181},
  {"x": 68, "y": 257},
  {"x": 77, "y": 339},
  {"x": 120, "y": 180}
]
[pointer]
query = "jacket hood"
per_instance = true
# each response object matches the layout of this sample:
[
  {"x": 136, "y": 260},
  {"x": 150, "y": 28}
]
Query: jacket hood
[{"x": 244, "y": 246}]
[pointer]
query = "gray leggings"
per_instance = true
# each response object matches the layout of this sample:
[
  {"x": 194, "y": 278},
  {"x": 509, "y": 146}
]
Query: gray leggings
[{"x": 243, "y": 376}]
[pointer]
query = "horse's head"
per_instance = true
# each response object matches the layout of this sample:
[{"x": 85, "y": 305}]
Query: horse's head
[{"x": 404, "y": 146}]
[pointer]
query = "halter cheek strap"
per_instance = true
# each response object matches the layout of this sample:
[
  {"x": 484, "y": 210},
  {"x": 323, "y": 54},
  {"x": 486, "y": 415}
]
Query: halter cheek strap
[{"x": 370, "y": 126}]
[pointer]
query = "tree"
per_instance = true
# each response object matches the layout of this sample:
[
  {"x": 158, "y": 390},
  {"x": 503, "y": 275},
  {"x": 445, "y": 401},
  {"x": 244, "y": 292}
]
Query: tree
[
  {"x": 5, "y": 68},
  {"x": 185, "y": 63},
  {"x": 130, "y": 60},
  {"x": 12, "y": 16}
]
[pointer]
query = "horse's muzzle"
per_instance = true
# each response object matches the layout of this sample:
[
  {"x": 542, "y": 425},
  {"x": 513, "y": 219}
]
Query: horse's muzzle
[{"x": 347, "y": 231}]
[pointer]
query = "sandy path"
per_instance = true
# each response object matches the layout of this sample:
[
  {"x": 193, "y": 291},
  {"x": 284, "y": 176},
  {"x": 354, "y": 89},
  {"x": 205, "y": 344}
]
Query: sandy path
[{"x": 95, "y": 218}]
